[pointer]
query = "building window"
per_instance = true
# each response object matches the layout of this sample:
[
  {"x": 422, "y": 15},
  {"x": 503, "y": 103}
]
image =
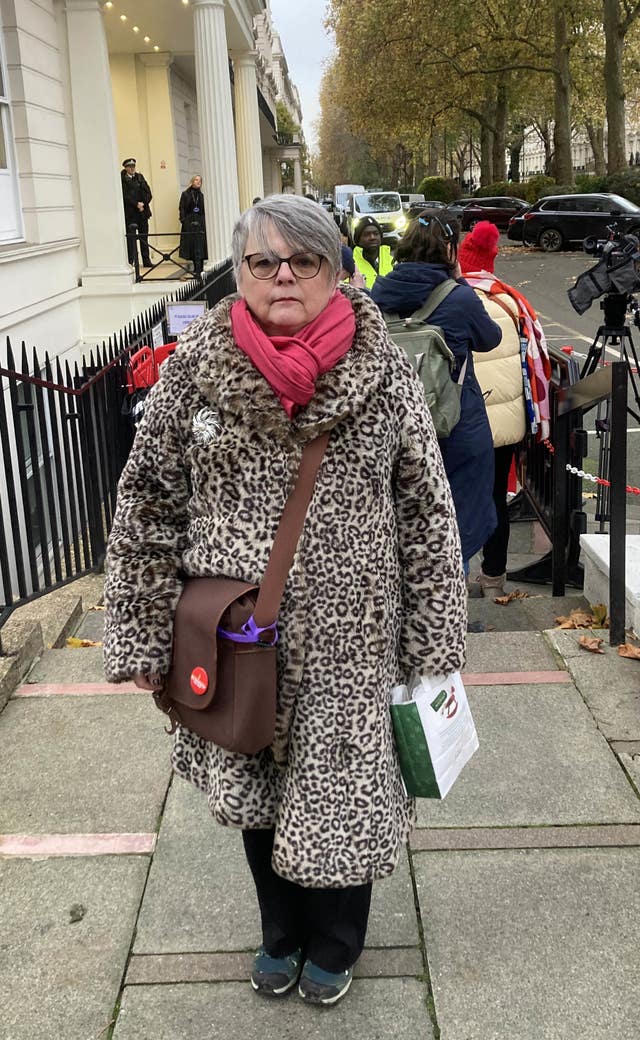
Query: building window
[{"x": 10, "y": 215}]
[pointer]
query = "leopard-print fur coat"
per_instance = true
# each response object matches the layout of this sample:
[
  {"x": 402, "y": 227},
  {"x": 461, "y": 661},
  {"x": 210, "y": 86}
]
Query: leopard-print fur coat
[{"x": 375, "y": 592}]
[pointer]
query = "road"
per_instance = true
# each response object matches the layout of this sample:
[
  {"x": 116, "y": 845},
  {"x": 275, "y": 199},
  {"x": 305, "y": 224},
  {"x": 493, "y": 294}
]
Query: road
[{"x": 544, "y": 279}]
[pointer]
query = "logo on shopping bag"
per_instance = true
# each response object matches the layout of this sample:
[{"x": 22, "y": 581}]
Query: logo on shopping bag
[
  {"x": 451, "y": 706},
  {"x": 438, "y": 701},
  {"x": 449, "y": 703}
]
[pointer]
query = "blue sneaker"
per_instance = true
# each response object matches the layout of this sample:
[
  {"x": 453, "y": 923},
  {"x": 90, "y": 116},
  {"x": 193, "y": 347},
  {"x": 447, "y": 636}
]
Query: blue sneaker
[
  {"x": 323, "y": 987},
  {"x": 275, "y": 976}
]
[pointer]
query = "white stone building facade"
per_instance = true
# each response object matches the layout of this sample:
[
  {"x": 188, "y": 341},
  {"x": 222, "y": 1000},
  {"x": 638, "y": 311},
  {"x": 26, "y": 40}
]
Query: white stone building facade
[{"x": 179, "y": 84}]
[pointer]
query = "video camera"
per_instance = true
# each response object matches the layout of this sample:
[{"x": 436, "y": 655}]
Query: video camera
[{"x": 615, "y": 272}]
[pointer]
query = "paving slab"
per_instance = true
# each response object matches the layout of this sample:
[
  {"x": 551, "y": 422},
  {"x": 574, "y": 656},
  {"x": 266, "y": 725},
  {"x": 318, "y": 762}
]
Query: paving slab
[
  {"x": 163, "y": 968},
  {"x": 494, "y": 618},
  {"x": 375, "y": 1009},
  {"x": 533, "y": 945},
  {"x": 200, "y": 895},
  {"x": 541, "y": 761},
  {"x": 82, "y": 764},
  {"x": 631, "y": 765},
  {"x": 542, "y": 611},
  {"x": 66, "y": 665},
  {"x": 66, "y": 932},
  {"x": 91, "y": 626},
  {"x": 610, "y": 684},
  {"x": 57, "y": 613},
  {"x": 508, "y": 652},
  {"x": 21, "y": 644}
]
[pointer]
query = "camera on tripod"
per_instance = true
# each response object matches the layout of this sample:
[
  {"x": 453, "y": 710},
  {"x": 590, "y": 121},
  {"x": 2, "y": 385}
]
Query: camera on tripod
[{"x": 615, "y": 273}]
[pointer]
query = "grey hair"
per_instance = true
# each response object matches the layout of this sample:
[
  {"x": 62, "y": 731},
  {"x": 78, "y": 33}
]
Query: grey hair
[{"x": 304, "y": 224}]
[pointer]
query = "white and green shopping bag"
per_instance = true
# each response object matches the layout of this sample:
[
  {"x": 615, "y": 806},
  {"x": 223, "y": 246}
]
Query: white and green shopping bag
[{"x": 435, "y": 733}]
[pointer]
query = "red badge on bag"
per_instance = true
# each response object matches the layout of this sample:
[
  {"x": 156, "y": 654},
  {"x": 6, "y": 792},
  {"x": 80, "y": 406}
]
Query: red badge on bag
[{"x": 199, "y": 681}]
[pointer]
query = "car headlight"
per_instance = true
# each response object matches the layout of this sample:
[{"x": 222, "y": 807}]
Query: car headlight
[{"x": 401, "y": 222}]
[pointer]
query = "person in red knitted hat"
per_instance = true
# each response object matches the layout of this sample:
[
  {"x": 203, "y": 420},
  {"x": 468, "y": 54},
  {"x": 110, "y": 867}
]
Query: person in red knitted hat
[
  {"x": 500, "y": 375},
  {"x": 479, "y": 248}
]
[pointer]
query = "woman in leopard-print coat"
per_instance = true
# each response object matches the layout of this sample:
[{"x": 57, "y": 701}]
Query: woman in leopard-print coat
[{"x": 376, "y": 589}]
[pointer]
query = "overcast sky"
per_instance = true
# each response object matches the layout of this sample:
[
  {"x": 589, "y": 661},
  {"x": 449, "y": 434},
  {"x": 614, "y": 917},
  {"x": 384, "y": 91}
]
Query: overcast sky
[{"x": 307, "y": 45}]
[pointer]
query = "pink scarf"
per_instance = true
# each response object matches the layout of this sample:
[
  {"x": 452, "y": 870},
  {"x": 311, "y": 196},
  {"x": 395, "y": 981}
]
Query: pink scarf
[{"x": 292, "y": 364}]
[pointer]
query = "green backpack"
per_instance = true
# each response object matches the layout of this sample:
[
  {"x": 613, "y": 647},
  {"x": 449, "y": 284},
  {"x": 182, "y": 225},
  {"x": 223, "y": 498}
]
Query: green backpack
[{"x": 432, "y": 359}]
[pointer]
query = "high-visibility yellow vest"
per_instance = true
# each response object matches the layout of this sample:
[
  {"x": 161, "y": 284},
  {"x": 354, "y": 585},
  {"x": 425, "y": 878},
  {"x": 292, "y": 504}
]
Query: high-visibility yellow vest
[{"x": 369, "y": 273}]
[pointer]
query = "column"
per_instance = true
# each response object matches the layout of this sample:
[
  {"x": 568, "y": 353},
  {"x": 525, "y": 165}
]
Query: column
[
  {"x": 277, "y": 177},
  {"x": 98, "y": 163},
  {"x": 215, "y": 118},
  {"x": 248, "y": 141},
  {"x": 162, "y": 174},
  {"x": 297, "y": 176}
]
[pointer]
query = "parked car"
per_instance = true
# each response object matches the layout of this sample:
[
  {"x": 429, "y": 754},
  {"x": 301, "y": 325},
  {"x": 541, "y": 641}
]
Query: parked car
[
  {"x": 455, "y": 209},
  {"x": 425, "y": 207},
  {"x": 560, "y": 220},
  {"x": 498, "y": 210},
  {"x": 384, "y": 206},
  {"x": 515, "y": 226}
]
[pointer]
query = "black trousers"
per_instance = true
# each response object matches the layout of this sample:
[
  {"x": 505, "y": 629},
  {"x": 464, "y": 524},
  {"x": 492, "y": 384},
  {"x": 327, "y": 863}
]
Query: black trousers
[
  {"x": 494, "y": 551},
  {"x": 328, "y": 924},
  {"x": 142, "y": 226}
]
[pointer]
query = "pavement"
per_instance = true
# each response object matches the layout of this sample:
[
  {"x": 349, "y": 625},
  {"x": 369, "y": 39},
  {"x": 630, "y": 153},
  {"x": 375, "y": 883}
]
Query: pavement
[{"x": 128, "y": 914}]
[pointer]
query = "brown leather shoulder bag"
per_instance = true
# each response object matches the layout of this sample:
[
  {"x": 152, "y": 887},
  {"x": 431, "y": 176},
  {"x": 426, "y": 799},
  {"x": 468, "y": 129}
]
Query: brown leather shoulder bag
[{"x": 222, "y": 682}]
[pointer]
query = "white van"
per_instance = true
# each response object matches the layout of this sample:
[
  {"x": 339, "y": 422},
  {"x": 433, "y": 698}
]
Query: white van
[
  {"x": 383, "y": 206},
  {"x": 410, "y": 200},
  {"x": 341, "y": 194}
]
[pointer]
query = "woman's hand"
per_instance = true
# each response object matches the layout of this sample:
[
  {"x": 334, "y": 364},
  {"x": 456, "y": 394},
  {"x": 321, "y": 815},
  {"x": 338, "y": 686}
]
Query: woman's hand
[
  {"x": 148, "y": 682},
  {"x": 357, "y": 281}
]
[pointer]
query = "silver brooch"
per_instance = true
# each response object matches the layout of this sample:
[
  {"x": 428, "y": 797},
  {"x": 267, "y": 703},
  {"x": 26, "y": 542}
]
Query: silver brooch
[{"x": 206, "y": 426}]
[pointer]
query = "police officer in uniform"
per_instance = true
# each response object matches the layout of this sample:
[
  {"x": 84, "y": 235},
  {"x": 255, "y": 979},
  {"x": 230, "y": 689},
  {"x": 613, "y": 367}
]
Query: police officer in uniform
[{"x": 136, "y": 196}]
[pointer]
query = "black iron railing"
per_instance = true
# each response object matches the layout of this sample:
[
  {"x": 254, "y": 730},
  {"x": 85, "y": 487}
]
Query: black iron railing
[
  {"x": 554, "y": 492},
  {"x": 160, "y": 253},
  {"x": 64, "y": 444}
]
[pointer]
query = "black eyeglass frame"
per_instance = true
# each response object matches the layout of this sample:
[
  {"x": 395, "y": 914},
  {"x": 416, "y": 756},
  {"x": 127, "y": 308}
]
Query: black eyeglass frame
[{"x": 284, "y": 260}]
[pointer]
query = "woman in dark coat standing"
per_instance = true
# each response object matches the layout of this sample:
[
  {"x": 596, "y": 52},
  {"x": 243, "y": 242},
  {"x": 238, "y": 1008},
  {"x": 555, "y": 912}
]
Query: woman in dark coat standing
[
  {"x": 193, "y": 239},
  {"x": 426, "y": 257}
]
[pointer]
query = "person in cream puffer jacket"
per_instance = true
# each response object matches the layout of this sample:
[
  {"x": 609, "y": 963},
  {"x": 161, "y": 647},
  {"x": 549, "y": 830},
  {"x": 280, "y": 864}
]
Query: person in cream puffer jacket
[{"x": 499, "y": 373}]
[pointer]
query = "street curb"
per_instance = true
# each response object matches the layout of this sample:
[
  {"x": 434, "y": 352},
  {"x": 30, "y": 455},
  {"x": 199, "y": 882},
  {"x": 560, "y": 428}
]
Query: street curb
[
  {"x": 33, "y": 627},
  {"x": 23, "y": 643}
]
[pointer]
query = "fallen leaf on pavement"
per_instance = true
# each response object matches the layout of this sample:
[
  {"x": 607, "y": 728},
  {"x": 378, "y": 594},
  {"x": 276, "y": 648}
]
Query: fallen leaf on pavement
[
  {"x": 516, "y": 594},
  {"x": 576, "y": 619},
  {"x": 629, "y": 650},
  {"x": 591, "y": 643},
  {"x": 74, "y": 642},
  {"x": 98, "y": 606},
  {"x": 600, "y": 618}
]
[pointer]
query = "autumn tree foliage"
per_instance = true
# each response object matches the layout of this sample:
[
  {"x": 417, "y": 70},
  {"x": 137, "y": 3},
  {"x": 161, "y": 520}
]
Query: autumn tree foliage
[{"x": 438, "y": 80}]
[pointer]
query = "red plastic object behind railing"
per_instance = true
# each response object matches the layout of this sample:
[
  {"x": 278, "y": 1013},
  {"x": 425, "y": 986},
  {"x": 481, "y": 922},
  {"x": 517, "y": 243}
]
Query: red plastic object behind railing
[{"x": 144, "y": 365}]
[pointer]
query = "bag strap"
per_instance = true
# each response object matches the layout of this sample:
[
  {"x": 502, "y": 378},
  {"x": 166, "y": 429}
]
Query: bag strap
[
  {"x": 433, "y": 300},
  {"x": 514, "y": 317},
  {"x": 288, "y": 534}
]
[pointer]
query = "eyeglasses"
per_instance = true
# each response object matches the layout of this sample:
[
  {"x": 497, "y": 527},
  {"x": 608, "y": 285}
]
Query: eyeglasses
[
  {"x": 302, "y": 265},
  {"x": 447, "y": 230}
]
